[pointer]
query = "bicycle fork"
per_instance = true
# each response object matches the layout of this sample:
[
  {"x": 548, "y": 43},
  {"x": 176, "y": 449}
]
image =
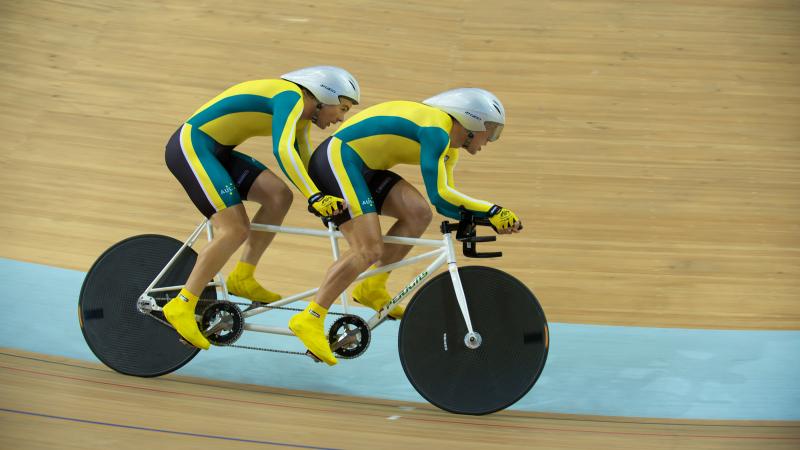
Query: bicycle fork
[
  {"x": 447, "y": 255},
  {"x": 472, "y": 339}
]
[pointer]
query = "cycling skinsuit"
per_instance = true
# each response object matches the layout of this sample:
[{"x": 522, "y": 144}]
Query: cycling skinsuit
[
  {"x": 354, "y": 162},
  {"x": 201, "y": 156}
]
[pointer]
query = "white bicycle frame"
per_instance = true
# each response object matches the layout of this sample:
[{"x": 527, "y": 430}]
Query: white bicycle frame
[{"x": 444, "y": 253}]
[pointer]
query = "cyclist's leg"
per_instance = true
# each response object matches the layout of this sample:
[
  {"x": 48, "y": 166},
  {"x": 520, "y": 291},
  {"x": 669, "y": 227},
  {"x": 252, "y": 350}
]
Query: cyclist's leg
[
  {"x": 341, "y": 172},
  {"x": 256, "y": 183},
  {"x": 190, "y": 156},
  {"x": 275, "y": 199},
  {"x": 338, "y": 170},
  {"x": 396, "y": 198},
  {"x": 363, "y": 234},
  {"x": 230, "y": 231},
  {"x": 413, "y": 213}
]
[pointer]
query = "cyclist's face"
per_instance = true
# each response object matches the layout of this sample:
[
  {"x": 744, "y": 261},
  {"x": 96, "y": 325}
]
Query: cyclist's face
[
  {"x": 329, "y": 114},
  {"x": 480, "y": 138}
]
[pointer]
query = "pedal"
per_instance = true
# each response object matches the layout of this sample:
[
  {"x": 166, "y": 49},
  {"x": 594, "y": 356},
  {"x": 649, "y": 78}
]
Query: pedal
[{"x": 313, "y": 356}]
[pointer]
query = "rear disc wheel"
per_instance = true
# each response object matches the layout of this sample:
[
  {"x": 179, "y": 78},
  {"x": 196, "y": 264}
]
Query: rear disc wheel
[{"x": 122, "y": 337}]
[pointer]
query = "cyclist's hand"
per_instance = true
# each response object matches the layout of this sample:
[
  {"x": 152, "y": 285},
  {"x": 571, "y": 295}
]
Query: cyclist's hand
[
  {"x": 504, "y": 221},
  {"x": 325, "y": 205}
]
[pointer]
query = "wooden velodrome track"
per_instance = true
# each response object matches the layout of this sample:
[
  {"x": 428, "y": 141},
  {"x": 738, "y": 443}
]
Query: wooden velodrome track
[{"x": 651, "y": 149}]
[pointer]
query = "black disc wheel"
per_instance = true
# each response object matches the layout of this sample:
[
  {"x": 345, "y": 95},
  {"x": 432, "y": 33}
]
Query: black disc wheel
[
  {"x": 509, "y": 351},
  {"x": 122, "y": 337}
]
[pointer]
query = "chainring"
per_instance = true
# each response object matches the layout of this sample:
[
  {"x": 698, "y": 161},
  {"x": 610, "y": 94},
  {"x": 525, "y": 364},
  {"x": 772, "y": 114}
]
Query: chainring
[
  {"x": 222, "y": 323},
  {"x": 349, "y": 336}
]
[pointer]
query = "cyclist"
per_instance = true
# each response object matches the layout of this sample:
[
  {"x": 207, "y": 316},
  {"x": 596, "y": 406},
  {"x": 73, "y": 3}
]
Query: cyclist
[
  {"x": 353, "y": 164},
  {"x": 217, "y": 178}
]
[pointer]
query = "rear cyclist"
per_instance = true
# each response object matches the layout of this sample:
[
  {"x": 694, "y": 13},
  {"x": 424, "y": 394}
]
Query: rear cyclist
[
  {"x": 353, "y": 164},
  {"x": 217, "y": 178}
]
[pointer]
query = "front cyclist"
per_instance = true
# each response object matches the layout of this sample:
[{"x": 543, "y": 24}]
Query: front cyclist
[
  {"x": 353, "y": 164},
  {"x": 217, "y": 178}
]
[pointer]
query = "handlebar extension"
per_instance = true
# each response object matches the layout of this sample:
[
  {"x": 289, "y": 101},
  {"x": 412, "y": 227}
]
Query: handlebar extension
[{"x": 465, "y": 232}]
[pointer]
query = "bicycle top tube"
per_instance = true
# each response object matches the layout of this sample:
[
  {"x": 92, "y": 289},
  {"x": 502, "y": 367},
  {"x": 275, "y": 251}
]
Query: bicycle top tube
[{"x": 338, "y": 234}]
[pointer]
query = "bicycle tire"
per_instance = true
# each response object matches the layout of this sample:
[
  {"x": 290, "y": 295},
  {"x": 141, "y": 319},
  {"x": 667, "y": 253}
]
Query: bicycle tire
[
  {"x": 505, "y": 366},
  {"x": 122, "y": 337}
]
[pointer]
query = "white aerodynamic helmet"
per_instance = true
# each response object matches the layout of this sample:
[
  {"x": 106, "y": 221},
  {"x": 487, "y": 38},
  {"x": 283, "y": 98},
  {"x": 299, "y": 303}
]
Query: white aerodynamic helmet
[
  {"x": 472, "y": 108},
  {"x": 327, "y": 83}
]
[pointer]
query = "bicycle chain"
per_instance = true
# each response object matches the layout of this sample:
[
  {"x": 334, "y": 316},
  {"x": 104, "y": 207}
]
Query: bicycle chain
[
  {"x": 280, "y": 307},
  {"x": 251, "y": 305},
  {"x": 249, "y": 347}
]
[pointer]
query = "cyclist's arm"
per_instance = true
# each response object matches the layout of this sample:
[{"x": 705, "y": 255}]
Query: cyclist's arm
[
  {"x": 287, "y": 108},
  {"x": 437, "y": 174},
  {"x": 303, "y": 141}
]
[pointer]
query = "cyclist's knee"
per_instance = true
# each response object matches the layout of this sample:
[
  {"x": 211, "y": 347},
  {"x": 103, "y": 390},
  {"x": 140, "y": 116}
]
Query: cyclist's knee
[
  {"x": 236, "y": 232},
  {"x": 417, "y": 216},
  {"x": 420, "y": 214},
  {"x": 370, "y": 253},
  {"x": 283, "y": 198}
]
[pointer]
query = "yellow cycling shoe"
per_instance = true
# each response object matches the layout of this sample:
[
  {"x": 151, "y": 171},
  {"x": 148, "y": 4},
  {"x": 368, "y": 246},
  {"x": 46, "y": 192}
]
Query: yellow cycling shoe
[
  {"x": 180, "y": 313},
  {"x": 250, "y": 289},
  {"x": 372, "y": 292},
  {"x": 241, "y": 282},
  {"x": 308, "y": 326}
]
